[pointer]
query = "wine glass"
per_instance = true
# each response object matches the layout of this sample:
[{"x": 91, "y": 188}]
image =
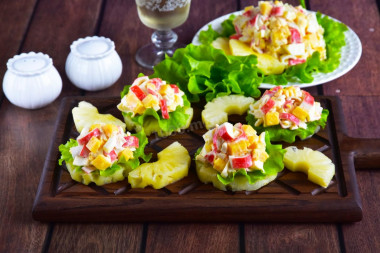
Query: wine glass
[{"x": 163, "y": 16}]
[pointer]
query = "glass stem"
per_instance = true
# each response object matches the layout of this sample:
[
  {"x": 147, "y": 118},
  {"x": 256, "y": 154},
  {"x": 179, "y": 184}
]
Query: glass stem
[{"x": 164, "y": 40}]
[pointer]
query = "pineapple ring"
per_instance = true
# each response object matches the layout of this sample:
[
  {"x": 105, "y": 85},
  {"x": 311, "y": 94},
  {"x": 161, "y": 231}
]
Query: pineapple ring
[
  {"x": 316, "y": 165},
  {"x": 86, "y": 115},
  {"x": 172, "y": 165},
  {"x": 151, "y": 124},
  {"x": 217, "y": 111},
  {"x": 207, "y": 174},
  {"x": 99, "y": 180}
]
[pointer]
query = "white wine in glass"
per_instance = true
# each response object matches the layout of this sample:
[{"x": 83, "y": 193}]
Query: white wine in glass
[{"x": 161, "y": 15}]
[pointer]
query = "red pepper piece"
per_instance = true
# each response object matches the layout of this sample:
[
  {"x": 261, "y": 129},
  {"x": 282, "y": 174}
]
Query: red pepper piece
[{"x": 138, "y": 92}]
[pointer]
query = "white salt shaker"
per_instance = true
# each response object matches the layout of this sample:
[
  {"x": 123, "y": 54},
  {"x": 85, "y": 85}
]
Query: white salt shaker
[
  {"x": 31, "y": 80},
  {"x": 93, "y": 64}
]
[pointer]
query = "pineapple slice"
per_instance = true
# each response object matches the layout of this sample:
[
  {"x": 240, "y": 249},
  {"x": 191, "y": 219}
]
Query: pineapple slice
[
  {"x": 217, "y": 111},
  {"x": 267, "y": 63},
  {"x": 316, "y": 165},
  {"x": 84, "y": 178},
  {"x": 172, "y": 165},
  {"x": 223, "y": 44},
  {"x": 86, "y": 115},
  {"x": 207, "y": 174}
]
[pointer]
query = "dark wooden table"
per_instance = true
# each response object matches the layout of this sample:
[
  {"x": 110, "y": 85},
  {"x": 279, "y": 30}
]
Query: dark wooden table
[{"x": 50, "y": 26}]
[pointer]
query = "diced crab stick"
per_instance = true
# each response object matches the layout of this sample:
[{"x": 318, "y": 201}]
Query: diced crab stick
[
  {"x": 175, "y": 88},
  {"x": 309, "y": 99},
  {"x": 240, "y": 162},
  {"x": 277, "y": 11},
  {"x": 88, "y": 170},
  {"x": 84, "y": 152},
  {"x": 87, "y": 137},
  {"x": 157, "y": 82},
  {"x": 226, "y": 132},
  {"x": 164, "y": 109},
  {"x": 215, "y": 141},
  {"x": 272, "y": 91},
  {"x": 131, "y": 141},
  {"x": 235, "y": 36},
  {"x": 295, "y": 36},
  {"x": 289, "y": 116},
  {"x": 112, "y": 155},
  {"x": 138, "y": 92},
  {"x": 253, "y": 20},
  {"x": 267, "y": 106},
  {"x": 296, "y": 61}
]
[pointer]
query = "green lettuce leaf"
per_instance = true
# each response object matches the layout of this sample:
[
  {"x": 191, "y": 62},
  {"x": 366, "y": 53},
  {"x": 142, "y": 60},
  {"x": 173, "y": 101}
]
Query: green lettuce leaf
[
  {"x": 277, "y": 133},
  {"x": 334, "y": 38},
  {"x": 203, "y": 71},
  {"x": 208, "y": 36},
  {"x": 65, "y": 151},
  {"x": 272, "y": 165}
]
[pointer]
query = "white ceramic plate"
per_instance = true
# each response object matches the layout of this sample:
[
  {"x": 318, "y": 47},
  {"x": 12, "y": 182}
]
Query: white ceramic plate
[{"x": 350, "y": 55}]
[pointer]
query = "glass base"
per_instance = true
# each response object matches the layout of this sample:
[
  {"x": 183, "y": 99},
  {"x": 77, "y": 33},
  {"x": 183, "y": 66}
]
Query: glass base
[{"x": 149, "y": 55}]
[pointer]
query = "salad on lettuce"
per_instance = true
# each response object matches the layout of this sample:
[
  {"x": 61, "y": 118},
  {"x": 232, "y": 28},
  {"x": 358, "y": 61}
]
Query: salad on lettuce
[
  {"x": 235, "y": 157},
  {"x": 103, "y": 153},
  {"x": 304, "y": 42},
  {"x": 284, "y": 113},
  {"x": 153, "y": 105}
]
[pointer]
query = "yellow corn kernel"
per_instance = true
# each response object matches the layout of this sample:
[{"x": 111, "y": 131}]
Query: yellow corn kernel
[
  {"x": 237, "y": 147},
  {"x": 127, "y": 154},
  {"x": 150, "y": 101},
  {"x": 101, "y": 162},
  {"x": 219, "y": 164},
  {"x": 108, "y": 129},
  {"x": 94, "y": 144},
  {"x": 271, "y": 119},
  {"x": 300, "y": 113},
  {"x": 265, "y": 8},
  {"x": 166, "y": 89}
]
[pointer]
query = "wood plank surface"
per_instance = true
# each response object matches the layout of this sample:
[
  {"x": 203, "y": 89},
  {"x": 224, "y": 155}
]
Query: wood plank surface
[{"x": 16, "y": 15}]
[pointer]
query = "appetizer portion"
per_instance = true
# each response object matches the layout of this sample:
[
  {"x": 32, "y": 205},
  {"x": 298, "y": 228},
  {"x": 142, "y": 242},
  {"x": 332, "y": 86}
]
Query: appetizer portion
[
  {"x": 234, "y": 157},
  {"x": 155, "y": 106},
  {"x": 317, "y": 166},
  {"x": 286, "y": 113},
  {"x": 289, "y": 34},
  {"x": 172, "y": 165},
  {"x": 217, "y": 111},
  {"x": 102, "y": 153}
]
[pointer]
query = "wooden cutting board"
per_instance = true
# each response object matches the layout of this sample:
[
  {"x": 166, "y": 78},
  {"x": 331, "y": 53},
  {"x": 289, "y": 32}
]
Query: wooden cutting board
[{"x": 290, "y": 198}]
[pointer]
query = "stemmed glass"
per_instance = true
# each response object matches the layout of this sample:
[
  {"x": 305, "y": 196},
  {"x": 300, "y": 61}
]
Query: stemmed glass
[{"x": 163, "y": 16}]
